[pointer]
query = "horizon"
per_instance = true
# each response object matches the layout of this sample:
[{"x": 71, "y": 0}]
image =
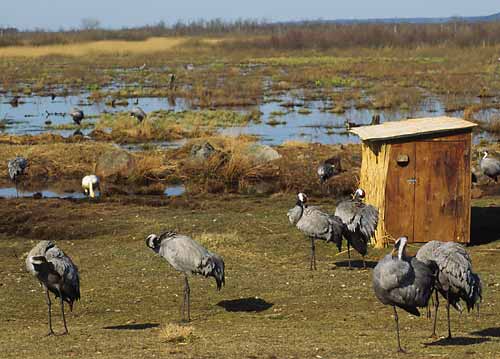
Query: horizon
[{"x": 115, "y": 14}]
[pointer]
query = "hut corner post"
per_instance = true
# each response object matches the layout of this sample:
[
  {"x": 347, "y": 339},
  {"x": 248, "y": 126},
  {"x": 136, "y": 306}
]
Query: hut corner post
[{"x": 373, "y": 178}]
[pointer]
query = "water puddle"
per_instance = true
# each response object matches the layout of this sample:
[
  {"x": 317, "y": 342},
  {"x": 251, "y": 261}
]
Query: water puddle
[
  {"x": 10, "y": 192},
  {"x": 285, "y": 117},
  {"x": 174, "y": 191}
]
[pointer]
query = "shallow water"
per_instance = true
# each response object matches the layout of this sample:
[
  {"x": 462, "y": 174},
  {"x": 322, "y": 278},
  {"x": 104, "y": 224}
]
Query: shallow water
[
  {"x": 174, "y": 191},
  {"x": 10, "y": 192},
  {"x": 317, "y": 126}
]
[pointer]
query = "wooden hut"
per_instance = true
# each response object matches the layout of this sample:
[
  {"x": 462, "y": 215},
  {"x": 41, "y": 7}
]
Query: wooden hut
[{"x": 418, "y": 173}]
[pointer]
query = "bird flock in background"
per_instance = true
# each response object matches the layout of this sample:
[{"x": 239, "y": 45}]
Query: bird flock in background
[{"x": 399, "y": 280}]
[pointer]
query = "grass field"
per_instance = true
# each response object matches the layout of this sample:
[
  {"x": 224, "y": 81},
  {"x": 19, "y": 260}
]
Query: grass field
[
  {"x": 106, "y": 47},
  {"x": 272, "y": 305}
]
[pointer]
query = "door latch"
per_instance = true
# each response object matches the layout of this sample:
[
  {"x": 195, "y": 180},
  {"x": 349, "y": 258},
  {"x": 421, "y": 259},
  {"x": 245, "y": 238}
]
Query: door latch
[{"x": 412, "y": 180}]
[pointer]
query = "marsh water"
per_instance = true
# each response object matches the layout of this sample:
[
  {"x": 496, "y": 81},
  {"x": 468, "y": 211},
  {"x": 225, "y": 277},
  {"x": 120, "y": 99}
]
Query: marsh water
[{"x": 308, "y": 120}]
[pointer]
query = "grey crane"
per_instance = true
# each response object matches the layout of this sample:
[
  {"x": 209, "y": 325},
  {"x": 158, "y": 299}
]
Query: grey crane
[
  {"x": 455, "y": 279},
  {"x": 138, "y": 113},
  {"x": 315, "y": 224},
  {"x": 402, "y": 281},
  {"x": 361, "y": 220},
  {"x": 57, "y": 274},
  {"x": 490, "y": 166},
  {"x": 16, "y": 169},
  {"x": 171, "y": 81},
  {"x": 189, "y": 257},
  {"x": 77, "y": 115},
  {"x": 329, "y": 168}
]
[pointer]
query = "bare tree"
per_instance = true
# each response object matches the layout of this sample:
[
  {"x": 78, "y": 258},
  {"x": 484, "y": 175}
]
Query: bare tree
[{"x": 89, "y": 23}]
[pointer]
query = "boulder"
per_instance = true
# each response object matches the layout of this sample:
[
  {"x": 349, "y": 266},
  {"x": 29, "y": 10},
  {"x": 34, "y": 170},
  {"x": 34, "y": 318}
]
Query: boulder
[
  {"x": 261, "y": 153},
  {"x": 115, "y": 163}
]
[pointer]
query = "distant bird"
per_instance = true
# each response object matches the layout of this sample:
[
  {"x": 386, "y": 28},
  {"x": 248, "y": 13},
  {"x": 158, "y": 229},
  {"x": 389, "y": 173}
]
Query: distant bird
[
  {"x": 315, "y": 224},
  {"x": 16, "y": 169},
  {"x": 138, "y": 113},
  {"x": 403, "y": 282},
  {"x": 171, "y": 83},
  {"x": 329, "y": 168},
  {"x": 455, "y": 280},
  {"x": 14, "y": 102},
  {"x": 189, "y": 257},
  {"x": 348, "y": 125},
  {"x": 375, "y": 120},
  {"x": 490, "y": 166},
  {"x": 89, "y": 184},
  {"x": 142, "y": 67},
  {"x": 361, "y": 220},
  {"x": 57, "y": 274},
  {"x": 189, "y": 67},
  {"x": 77, "y": 115},
  {"x": 52, "y": 96}
]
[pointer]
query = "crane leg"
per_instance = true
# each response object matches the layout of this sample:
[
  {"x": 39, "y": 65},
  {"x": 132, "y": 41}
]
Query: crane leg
[
  {"x": 186, "y": 304},
  {"x": 49, "y": 305},
  {"x": 313, "y": 255},
  {"x": 448, "y": 313},
  {"x": 349, "y": 254},
  {"x": 364, "y": 263},
  {"x": 397, "y": 329},
  {"x": 436, "y": 306},
  {"x": 63, "y": 316}
]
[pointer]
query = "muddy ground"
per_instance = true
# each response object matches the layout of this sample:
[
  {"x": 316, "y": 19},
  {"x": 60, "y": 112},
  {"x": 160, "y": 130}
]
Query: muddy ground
[{"x": 272, "y": 305}]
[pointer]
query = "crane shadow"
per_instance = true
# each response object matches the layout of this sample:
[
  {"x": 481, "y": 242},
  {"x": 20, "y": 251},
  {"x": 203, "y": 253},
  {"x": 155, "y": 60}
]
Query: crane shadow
[
  {"x": 458, "y": 341},
  {"x": 141, "y": 326},
  {"x": 484, "y": 226},
  {"x": 488, "y": 332},
  {"x": 245, "y": 305},
  {"x": 357, "y": 263}
]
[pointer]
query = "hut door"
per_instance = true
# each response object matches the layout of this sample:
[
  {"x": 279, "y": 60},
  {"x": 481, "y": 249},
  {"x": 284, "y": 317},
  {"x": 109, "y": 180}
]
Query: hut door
[
  {"x": 400, "y": 191},
  {"x": 440, "y": 171}
]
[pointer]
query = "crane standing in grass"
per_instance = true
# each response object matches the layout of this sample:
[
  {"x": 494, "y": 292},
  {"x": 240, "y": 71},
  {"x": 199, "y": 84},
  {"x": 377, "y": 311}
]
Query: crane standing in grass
[
  {"x": 329, "y": 168},
  {"x": 315, "y": 224},
  {"x": 490, "y": 166},
  {"x": 138, "y": 113},
  {"x": 77, "y": 115},
  {"x": 361, "y": 220},
  {"x": 455, "y": 280},
  {"x": 404, "y": 282},
  {"x": 189, "y": 257},
  {"x": 57, "y": 274},
  {"x": 16, "y": 169}
]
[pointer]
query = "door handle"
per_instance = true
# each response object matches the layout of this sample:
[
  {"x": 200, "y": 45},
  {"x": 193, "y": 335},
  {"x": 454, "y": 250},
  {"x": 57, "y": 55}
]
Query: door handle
[{"x": 411, "y": 180}]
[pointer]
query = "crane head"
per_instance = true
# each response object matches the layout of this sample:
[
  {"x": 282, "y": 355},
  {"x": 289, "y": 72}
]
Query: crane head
[
  {"x": 153, "y": 241},
  {"x": 301, "y": 198},
  {"x": 399, "y": 247},
  {"x": 360, "y": 193}
]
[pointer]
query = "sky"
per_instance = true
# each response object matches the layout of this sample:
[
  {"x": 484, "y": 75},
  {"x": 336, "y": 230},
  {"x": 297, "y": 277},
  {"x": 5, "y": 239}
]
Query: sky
[{"x": 55, "y": 14}]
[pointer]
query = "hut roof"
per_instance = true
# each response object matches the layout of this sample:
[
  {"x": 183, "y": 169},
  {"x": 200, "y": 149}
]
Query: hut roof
[{"x": 411, "y": 128}]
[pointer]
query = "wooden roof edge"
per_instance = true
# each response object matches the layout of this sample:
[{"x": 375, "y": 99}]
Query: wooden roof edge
[{"x": 411, "y": 128}]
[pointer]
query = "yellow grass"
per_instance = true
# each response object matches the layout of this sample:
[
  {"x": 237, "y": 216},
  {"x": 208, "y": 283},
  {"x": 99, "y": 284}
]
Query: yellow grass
[
  {"x": 374, "y": 169},
  {"x": 151, "y": 45},
  {"x": 176, "y": 333}
]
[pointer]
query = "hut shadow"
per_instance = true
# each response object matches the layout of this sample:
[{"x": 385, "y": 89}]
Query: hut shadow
[
  {"x": 141, "y": 326},
  {"x": 458, "y": 341},
  {"x": 484, "y": 225},
  {"x": 488, "y": 332},
  {"x": 245, "y": 305},
  {"x": 358, "y": 264}
]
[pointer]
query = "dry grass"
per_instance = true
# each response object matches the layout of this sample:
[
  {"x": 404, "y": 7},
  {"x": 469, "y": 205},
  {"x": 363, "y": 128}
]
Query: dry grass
[
  {"x": 176, "y": 333},
  {"x": 297, "y": 312},
  {"x": 96, "y": 48}
]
